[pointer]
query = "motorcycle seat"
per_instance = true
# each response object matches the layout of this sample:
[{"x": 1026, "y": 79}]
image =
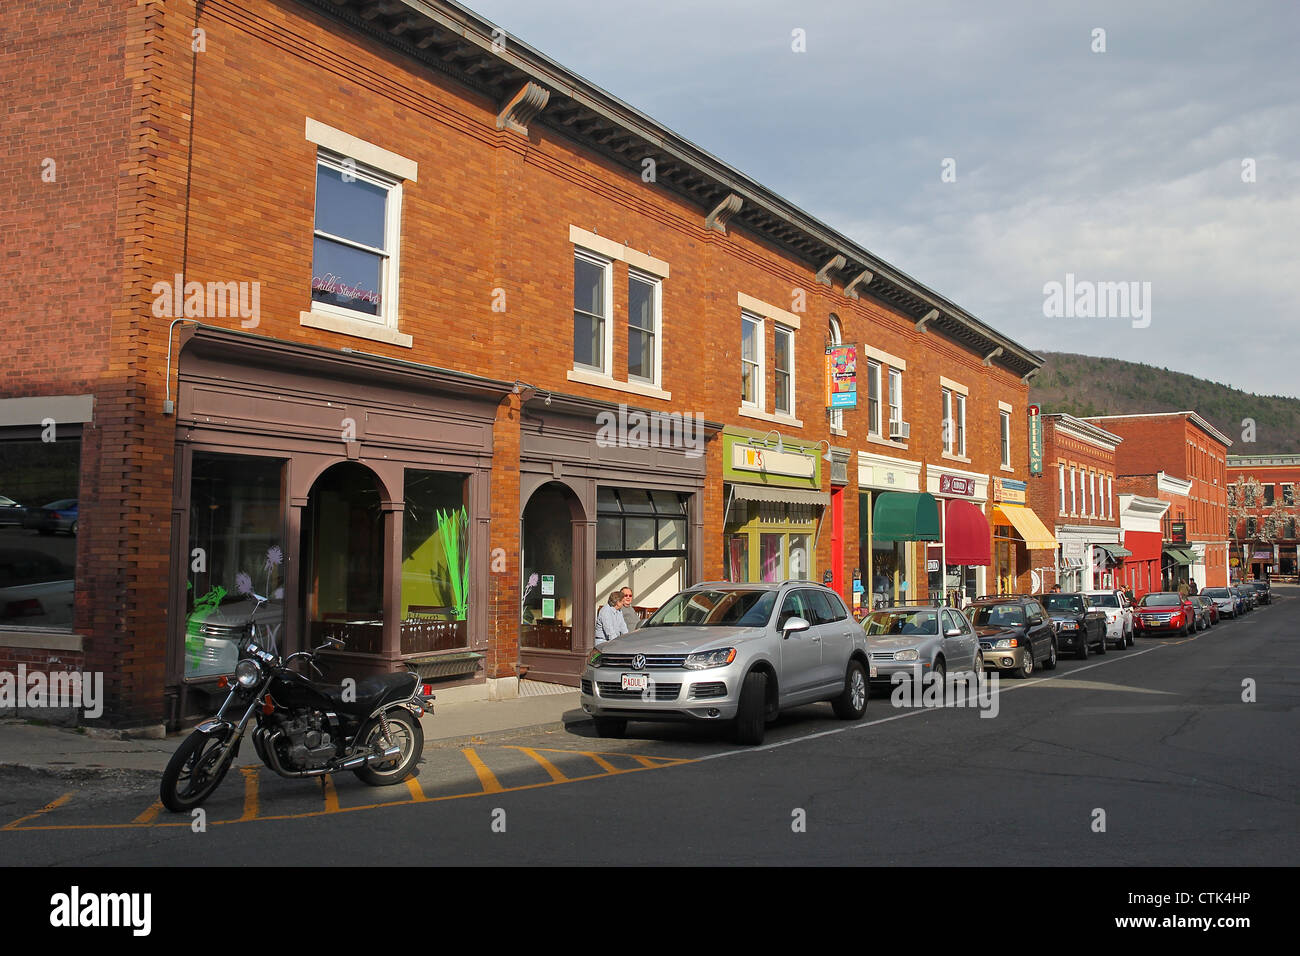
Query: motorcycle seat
[{"x": 371, "y": 692}]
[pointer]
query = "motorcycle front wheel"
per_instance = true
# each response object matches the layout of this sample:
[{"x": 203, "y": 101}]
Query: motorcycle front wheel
[
  {"x": 195, "y": 770},
  {"x": 407, "y": 734}
]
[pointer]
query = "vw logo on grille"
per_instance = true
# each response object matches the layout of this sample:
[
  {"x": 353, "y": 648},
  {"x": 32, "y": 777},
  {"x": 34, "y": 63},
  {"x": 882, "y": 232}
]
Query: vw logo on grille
[{"x": 638, "y": 662}]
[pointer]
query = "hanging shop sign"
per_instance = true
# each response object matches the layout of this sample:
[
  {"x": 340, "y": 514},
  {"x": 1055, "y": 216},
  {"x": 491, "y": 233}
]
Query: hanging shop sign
[
  {"x": 1009, "y": 491},
  {"x": 1035, "y": 439},
  {"x": 1178, "y": 532},
  {"x": 841, "y": 376},
  {"x": 1262, "y": 556},
  {"x": 956, "y": 485}
]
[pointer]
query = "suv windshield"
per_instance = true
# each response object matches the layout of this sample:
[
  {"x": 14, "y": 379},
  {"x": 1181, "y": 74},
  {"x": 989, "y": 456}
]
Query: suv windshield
[
  {"x": 998, "y": 615},
  {"x": 1162, "y": 599},
  {"x": 1103, "y": 600},
  {"x": 1216, "y": 592},
  {"x": 901, "y": 622},
  {"x": 733, "y": 608},
  {"x": 1062, "y": 602}
]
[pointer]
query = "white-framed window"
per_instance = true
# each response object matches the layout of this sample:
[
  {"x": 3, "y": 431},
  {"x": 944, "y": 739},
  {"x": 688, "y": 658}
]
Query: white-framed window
[
  {"x": 1060, "y": 467},
  {"x": 1074, "y": 490},
  {"x": 895, "y": 396},
  {"x": 355, "y": 239},
  {"x": 1005, "y": 421},
  {"x": 1110, "y": 496},
  {"x": 1092, "y": 493},
  {"x": 644, "y": 318},
  {"x": 783, "y": 364},
  {"x": 593, "y": 277},
  {"x": 751, "y": 360},
  {"x": 946, "y": 421},
  {"x": 873, "y": 398},
  {"x": 960, "y": 419}
]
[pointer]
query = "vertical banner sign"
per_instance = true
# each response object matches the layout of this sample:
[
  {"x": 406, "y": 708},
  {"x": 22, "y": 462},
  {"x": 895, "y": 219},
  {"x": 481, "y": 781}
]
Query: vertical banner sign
[
  {"x": 1035, "y": 439},
  {"x": 841, "y": 376}
]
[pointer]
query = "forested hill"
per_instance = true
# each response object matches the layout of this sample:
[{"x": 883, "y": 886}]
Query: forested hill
[{"x": 1085, "y": 385}]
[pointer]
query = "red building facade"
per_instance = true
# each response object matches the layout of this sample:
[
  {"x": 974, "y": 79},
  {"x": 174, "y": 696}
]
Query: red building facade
[{"x": 1263, "y": 514}]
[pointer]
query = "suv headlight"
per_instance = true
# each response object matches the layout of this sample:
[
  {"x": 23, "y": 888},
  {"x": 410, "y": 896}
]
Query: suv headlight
[
  {"x": 1005, "y": 643},
  {"x": 716, "y": 658},
  {"x": 905, "y": 655},
  {"x": 248, "y": 672}
]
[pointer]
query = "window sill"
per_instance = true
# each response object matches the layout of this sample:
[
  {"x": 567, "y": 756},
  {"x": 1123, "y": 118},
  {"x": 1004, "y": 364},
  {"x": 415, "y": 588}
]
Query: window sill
[
  {"x": 887, "y": 442},
  {"x": 1008, "y": 468},
  {"x": 354, "y": 327},
  {"x": 842, "y": 433},
  {"x": 963, "y": 459},
  {"x": 604, "y": 381},
  {"x": 44, "y": 640},
  {"x": 746, "y": 412}
]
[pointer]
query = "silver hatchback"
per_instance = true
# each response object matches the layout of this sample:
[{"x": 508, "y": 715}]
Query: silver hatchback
[{"x": 727, "y": 651}]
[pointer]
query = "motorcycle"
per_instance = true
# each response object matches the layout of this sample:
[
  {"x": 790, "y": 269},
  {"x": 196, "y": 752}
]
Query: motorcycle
[{"x": 303, "y": 728}]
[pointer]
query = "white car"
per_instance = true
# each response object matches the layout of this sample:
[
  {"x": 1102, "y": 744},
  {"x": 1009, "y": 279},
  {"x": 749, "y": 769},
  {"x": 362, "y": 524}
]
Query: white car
[{"x": 1119, "y": 616}]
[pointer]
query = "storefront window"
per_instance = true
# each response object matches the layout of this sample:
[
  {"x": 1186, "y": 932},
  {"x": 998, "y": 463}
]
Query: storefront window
[
  {"x": 737, "y": 557},
  {"x": 772, "y": 557},
  {"x": 39, "y": 483},
  {"x": 640, "y": 544},
  {"x": 547, "y": 600},
  {"x": 345, "y": 558},
  {"x": 236, "y": 555},
  {"x": 799, "y": 557},
  {"x": 435, "y": 562}
]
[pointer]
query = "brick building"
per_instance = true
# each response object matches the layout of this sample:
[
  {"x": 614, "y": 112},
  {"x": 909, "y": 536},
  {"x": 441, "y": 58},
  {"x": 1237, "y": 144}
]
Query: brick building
[
  {"x": 1186, "y": 449},
  {"x": 1160, "y": 558},
  {"x": 365, "y": 309},
  {"x": 1263, "y": 515},
  {"x": 1079, "y": 499}
]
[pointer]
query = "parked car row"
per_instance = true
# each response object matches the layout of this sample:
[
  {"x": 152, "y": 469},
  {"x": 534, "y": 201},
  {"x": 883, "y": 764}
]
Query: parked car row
[
  {"x": 742, "y": 653},
  {"x": 58, "y": 515}
]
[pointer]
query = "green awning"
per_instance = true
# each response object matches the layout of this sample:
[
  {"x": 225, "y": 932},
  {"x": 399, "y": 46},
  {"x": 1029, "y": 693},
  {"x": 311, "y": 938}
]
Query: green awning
[
  {"x": 1114, "y": 553},
  {"x": 905, "y": 516},
  {"x": 1182, "y": 556}
]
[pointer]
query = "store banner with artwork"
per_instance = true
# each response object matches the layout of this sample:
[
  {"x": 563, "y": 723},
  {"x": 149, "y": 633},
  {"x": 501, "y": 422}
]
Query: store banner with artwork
[{"x": 841, "y": 376}]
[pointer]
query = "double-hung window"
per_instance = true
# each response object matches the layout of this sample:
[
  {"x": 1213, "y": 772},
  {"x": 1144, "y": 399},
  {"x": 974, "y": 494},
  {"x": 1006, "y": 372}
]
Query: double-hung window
[
  {"x": 960, "y": 422},
  {"x": 784, "y": 363},
  {"x": 354, "y": 245},
  {"x": 751, "y": 361},
  {"x": 642, "y": 328},
  {"x": 592, "y": 278},
  {"x": 1005, "y": 418},
  {"x": 1061, "y": 468},
  {"x": 895, "y": 399},
  {"x": 1074, "y": 491},
  {"x": 947, "y": 425},
  {"x": 873, "y": 398}
]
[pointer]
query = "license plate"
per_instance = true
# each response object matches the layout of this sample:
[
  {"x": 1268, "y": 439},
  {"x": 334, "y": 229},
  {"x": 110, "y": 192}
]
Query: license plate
[{"x": 636, "y": 681}]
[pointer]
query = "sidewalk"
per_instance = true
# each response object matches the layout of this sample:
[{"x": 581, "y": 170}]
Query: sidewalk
[{"x": 67, "y": 751}]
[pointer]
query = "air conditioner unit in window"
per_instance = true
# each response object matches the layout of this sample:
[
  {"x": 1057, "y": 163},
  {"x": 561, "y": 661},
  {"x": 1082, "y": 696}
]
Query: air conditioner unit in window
[{"x": 900, "y": 431}]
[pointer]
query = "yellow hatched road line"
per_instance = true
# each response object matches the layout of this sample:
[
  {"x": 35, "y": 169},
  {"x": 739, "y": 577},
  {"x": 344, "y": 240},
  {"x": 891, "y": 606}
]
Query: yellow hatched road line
[
  {"x": 486, "y": 777},
  {"x": 417, "y": 791},
  {"x": 600, "y": 761},
  {"x": 331, "y": 794},
  {"x": 52, "y": 805},
  {"x": 151, "y": 814},
  {"x": 549, "y": 767},
  {"x": 251, "y": 801}
]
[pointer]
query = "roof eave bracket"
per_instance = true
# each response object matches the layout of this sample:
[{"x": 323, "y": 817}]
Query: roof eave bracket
[
  {"x": 717, "y": 220},
  {"x": 824, "y": 273},
  {"x": 928, "y": 317},
  {"x": 527, "y": 102}
]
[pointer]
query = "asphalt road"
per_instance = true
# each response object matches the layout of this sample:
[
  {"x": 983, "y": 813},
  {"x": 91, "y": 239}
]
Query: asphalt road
[{"x": 1148, "y": 756}]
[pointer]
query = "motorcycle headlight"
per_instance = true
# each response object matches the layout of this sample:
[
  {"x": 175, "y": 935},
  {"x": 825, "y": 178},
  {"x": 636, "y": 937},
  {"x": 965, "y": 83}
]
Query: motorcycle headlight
[
  {"x": 248, "y": 673},
  {"x": 715, "y": 658},
  {"x": 905, "y": 655}
]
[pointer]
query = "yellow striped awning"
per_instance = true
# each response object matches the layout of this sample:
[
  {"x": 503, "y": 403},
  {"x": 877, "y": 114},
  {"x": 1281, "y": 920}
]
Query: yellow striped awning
[{"x": 1035, "y": 533}]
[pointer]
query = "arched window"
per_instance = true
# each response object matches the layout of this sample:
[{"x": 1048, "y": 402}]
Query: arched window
[{"x": 835, "y": 336}]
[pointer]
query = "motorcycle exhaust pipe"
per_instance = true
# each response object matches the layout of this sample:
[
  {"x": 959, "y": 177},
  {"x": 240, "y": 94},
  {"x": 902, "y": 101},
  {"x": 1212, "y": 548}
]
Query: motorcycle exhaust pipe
[{"x": 353, "y": 762}]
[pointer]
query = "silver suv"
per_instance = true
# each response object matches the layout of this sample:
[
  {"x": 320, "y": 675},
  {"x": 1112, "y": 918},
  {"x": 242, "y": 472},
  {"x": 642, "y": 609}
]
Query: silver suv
[{"x": 725, "y": 651}]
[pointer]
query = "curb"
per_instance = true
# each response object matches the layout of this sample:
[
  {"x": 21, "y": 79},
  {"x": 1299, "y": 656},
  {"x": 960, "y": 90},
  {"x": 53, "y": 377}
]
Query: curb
[{"x": 439, "y": 743}]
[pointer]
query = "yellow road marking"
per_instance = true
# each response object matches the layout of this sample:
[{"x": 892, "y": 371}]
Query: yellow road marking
[
  {"x": 331, "y": 795},
  {"x": 600, "y": 761},
  {"x": 52, "y": 805},
  {"x": 149, "y": 815},
  {"x": 417, "y": 791},
  {"x": 644, "y": 761},
  {"x": 549, "y": 767},
  {"x": 250, "y": 793},
  {"x": 486, "y": 777},
  {"x": 320, "y": 813}
]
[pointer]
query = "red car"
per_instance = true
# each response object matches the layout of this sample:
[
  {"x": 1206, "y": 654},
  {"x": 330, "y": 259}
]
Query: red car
[{"x": 1164, "y": 612}]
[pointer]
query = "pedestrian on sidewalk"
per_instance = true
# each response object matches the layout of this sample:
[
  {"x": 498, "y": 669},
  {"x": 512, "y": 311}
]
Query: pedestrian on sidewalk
[
  {"x": 609, "y": 619},
  {"x": 1192, "y": 588}
]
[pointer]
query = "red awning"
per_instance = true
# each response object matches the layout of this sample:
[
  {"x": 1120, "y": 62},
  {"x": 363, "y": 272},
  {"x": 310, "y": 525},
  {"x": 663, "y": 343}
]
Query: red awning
[{"x": 966, "y": 534}]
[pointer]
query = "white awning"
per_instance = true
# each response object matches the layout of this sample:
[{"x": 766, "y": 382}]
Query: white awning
[{"x": 794, "y": 496}]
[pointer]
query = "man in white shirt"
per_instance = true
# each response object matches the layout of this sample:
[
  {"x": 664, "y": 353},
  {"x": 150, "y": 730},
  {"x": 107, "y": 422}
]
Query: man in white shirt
[{"x": 609, "y": 619}]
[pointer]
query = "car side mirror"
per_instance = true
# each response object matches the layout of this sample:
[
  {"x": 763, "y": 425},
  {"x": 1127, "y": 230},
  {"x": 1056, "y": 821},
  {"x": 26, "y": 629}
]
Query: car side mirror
[
  {"x": 794, "y": 624},
  {"x": 953, "y": 632}
]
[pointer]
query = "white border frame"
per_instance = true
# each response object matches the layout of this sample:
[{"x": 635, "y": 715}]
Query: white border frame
[{"x": 607, "y": 346}]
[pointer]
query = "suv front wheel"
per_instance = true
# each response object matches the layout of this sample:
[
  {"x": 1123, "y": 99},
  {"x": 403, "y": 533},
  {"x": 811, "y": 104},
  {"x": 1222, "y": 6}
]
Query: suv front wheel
[
  {"x": 851, "y": 704},
  {"x": 751, "y": 714}
]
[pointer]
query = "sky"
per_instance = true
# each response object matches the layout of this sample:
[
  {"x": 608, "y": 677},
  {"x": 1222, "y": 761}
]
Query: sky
[{"x": 990, "y": 149}]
